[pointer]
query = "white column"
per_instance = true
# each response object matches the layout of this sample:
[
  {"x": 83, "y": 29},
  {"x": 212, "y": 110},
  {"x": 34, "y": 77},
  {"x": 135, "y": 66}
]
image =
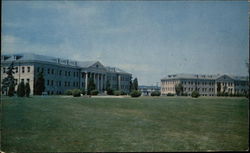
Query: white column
[
  {"x": 98, "y": 87},
  {"x": 86, "y": 82},
  {"x": 104, "y": 78},
  {"x": 101, "y": 82},
  {"x": 119, "y": 82}
]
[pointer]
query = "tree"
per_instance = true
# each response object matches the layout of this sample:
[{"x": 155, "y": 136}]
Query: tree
[
  {"x": 27, "y": 89},
  {"x": 39, "y": 84},
  {"x": 21, "y": 90},
  {"x": 179, "y": 89},
  {"x": 91, "y": 85},
  {"x": 8, "y": 83},
  {"x": 135, "y": 84},
  {"x": 11, "y": 90},
  {"x": 130, "y": 85}
]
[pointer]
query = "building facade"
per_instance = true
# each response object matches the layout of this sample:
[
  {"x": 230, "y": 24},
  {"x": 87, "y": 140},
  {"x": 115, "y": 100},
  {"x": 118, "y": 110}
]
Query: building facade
[
  {"x": 147, "y": 90},
  {"x": 63, "y": 74},
  {"x": 206, "y": 85}
]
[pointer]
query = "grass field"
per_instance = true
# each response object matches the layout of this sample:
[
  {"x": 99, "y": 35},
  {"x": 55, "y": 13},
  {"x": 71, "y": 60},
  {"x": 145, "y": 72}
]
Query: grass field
[{"x": 56, "y": 124}]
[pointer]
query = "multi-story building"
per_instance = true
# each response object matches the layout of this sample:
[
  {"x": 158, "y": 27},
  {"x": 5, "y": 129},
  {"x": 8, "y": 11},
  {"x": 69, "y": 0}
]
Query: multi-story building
[
  {"x": 206, "y": 85},
  {"x": 63, "y": 74},
  {"x": 147, "y": 90}
]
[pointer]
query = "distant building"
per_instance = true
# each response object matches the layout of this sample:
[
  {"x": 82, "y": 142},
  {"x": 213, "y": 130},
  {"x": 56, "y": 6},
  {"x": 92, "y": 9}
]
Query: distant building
[
  {"x": 147, "y": 90},
  {"x": 63, "y": 74},
  {"x": 206, "y": 85}
]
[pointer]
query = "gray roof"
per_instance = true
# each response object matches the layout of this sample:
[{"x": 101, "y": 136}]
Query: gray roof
[
  {"x": 201, "y": 76},
  {"x": 115, "y": 70},
  {"x": 43, "y": 58}
]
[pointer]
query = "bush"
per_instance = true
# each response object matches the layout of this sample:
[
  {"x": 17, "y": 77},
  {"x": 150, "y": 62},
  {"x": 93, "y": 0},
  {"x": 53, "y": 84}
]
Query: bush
[
  {"x": 195, "y": 94},
  {"x": 225, "y": 94},
  {"x": 123, "y": 93},
  {"x": 219, "y": 94},
  {"x": 76, "y": 92},
  {"x": 170, "y": 94},
  {"x": 94, "y": 92},
  {"x": 21, "y": 89},
  {"x": 117, "y": 93},
  {"x": 27, "y": 89},
  {"x": 110, "y": 92},
  {"x": 184, "y": 94},
  {"x": 68, "y": 92},
  {"x": 11, "y": 90},
  {"x": 156, "y": 93},
  {"x": 83, "y": 91},
  {"x": 135, "y": 93}
]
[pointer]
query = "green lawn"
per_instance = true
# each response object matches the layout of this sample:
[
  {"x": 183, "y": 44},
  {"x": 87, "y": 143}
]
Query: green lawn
[{"x": 56, "y": 124}]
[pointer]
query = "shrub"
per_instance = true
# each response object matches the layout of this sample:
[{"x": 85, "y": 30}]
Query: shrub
[
  {"x": 226, "y": 94},
  {"x": 231, "y": 95},
  {"x": 21, "y": 89},
  {"x": 219, "y": 94},
  {"x": 94, "y": 92},
  {"x": 195, "y": 94},
  {"x": 170, "y": 94},
  {"x": 135, "y": 93},
  {"x": 76, "y": 92},
  {"x": 83, "y": 91},
  {"x": 123, "y": 93},
  {"x": 110, "y": 92},
  {"x": 68, "y": 92},
  {"x": 184, "y": 94},
  {"x": 11, "y": 90},
  {"x": 156, "y": 93},
  {"x": 27, "y": 89},
  {"x": 117, "y": 92}
]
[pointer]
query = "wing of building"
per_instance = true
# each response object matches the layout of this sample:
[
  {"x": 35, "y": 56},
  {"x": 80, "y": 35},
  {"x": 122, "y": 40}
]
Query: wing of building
[
  {"x": 206, "y": 85},
  {"x": 63, "y": 74}
]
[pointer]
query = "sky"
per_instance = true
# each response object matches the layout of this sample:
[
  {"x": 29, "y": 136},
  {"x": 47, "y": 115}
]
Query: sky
[{"x": 150, "y": 39}]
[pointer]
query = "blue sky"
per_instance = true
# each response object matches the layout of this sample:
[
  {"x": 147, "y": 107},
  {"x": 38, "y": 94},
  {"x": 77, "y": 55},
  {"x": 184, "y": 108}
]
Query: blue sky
[{"x": 148, "y": 39}]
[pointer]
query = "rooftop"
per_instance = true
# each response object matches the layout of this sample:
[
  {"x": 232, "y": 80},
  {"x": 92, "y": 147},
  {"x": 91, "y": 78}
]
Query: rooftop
[{"x": 201, "y": 76}]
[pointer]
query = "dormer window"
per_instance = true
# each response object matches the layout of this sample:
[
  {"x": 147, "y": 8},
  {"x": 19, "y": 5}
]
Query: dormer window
[{"x": 97, "y": 66}]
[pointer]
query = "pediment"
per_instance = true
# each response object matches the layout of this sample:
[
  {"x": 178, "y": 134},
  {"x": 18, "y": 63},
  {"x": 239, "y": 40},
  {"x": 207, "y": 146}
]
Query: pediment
[{"x": 224, "y": 78}]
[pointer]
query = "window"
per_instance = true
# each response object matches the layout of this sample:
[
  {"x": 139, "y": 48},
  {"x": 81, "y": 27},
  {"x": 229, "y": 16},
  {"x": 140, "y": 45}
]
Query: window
[
  {"x": 52, "y": 82},
  {"x": 4, "y": 70},
  {"x": 73, "y": 84},
  {"x": 42, "y": 69},
  {"x": 68, "y": 83},
  {"x": 22, "y": 69},
  {"x": 22, "y": 80},
  {"x": 28, "y": 69},
  {"x": 77, "y": 74},
  {"x": 47, "y": 82},
  {"x": 48, "y": 71},
  {"x": 60, "y": 83},
  {"x": 60, "y": 72},
  {"x": 28, "y": 80},
  {"x": 65, "y": 83},
  {"x": 69, "y": 73},
  {"x": 16, "y": 69},
  {"x": 65, "y": 73},
  {"x": 74, "y": 74},
  {"x": 38, "y": 69},
  {"x": 52, "y": 71}
]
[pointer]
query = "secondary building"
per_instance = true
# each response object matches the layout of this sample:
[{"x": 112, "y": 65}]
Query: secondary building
[
  {"x": 63, "y": 74},
  {"x": 206, "y": 85},
  {"x": 147, "y": 90}
]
